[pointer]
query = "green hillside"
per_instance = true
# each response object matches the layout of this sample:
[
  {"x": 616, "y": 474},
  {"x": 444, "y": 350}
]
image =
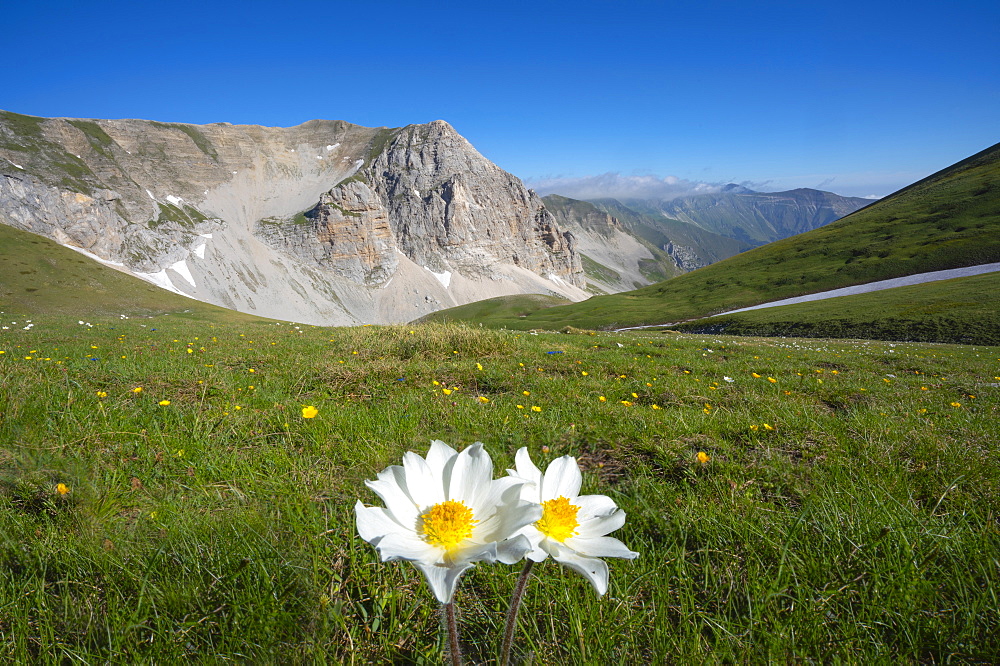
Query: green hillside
[
  {"x": 38, "y": 276},
  {"x": 947, "y": 220},
  {"x": 964, "y": 310}
]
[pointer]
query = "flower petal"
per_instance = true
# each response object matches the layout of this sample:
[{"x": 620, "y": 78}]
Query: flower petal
[
  {"x": 527, "y": 470},
  {"x": 508, "y": 519},
  {"x": 424, "y": 487},
  {"x": 402, "y": 546},
  {"x": 392, "y": 488},
  {"x": 438, "y": 455},
  {"x": 593, "y": 569},
  {"x": 595, "y": 505},
  {"x": 562, "y": 479},
  {"x": 476, "y": 552},
  {"x": 601, "y": 525},
  {"x": 602, "y": 546},
  {"x": 373, "y": 522},
  {"x": 443, "y": 579},
  {"x": 514, "y": 549},
  {"x": 471, "y": 477}
]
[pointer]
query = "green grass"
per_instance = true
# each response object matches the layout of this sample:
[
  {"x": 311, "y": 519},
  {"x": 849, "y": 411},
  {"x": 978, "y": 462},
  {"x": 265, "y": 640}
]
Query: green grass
[
  {"x": 947, "y": 220},
  {"x": 500, "y": 308},
  {"x": 595, "y": 270},
  {"x": 40, "y": 277},
  {"x": 196, "y": 135},
  {"x": 962, "y": 310},
  {"x": 848, "y": 513}
]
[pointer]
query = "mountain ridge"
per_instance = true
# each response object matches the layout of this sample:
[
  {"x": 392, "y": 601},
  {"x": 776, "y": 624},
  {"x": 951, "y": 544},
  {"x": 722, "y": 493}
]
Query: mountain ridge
[{"x": 215, "y": 212}]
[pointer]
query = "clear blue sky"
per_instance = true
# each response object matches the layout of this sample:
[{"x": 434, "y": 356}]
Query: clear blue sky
[{"x": 858, "y": 98}]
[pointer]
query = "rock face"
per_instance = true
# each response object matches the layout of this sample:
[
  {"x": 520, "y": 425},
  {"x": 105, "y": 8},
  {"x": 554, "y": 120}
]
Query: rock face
[
  {"x": 327, "y": 222},
  {"x": 615, "y": 258}
]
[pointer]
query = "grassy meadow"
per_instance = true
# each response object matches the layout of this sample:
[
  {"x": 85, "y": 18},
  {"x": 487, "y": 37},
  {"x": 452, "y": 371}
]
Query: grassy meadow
[
  {"x": 849, "y": 512},
  {"x": 950, "y": 219}
]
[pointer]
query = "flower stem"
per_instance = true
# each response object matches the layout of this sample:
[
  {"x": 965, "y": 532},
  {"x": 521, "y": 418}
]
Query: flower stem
[
  {"x": 456, "y": 651},
  {"x": 515, "y": 606}
]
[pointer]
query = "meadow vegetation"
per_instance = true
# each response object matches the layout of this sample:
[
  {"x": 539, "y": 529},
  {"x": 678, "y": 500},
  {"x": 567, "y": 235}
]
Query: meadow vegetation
[
  {"x": 948, "y": 220},
  {"x": 164, "y": 497},
  {"x": 962, "y": 310}
]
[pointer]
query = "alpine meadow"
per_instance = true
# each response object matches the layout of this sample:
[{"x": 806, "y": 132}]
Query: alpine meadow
[{"x": 505, "y": 481}]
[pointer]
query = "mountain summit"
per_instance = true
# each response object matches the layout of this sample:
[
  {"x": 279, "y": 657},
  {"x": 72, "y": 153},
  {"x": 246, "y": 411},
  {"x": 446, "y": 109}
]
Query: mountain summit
[{"x": 326, "y": 223}]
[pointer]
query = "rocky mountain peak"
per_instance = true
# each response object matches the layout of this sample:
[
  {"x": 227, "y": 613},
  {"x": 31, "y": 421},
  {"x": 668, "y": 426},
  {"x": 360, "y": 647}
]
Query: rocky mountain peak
[{"x": 326, "y": 222}]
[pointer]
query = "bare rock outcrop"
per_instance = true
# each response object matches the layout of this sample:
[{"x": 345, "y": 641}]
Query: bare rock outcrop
[{"x": 311, "y": 223}]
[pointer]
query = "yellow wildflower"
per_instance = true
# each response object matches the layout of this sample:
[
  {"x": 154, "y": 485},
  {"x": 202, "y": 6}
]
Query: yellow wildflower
[
  {"x": 62, "y": 488},
  {"x": 164, "y": 403},
  {"x": 602, "y": 399},
  {"x": 483, "y": 400},
  {"x": 309, "y": 412},
  {"x": 536, "y": 408},
  {"x": 703, "y": 457}
]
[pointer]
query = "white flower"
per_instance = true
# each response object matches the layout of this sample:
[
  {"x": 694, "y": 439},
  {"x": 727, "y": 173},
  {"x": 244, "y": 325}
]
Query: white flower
[
  {"x": 445, "y": 513},
  {"x": 572, "y": 528}
]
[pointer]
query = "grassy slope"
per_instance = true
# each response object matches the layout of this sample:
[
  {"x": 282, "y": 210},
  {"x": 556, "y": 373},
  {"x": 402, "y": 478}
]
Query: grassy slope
[
  {"x": 949, "y": 219},
  {"x": 38, "y": 276},
  {"x": 963, "y": 310},
  {"x": 848, "y": 513},
  {"x": 501, "y": 308}
]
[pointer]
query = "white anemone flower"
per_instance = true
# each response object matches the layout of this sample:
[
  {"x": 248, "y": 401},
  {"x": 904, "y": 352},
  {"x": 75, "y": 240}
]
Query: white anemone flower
[
  {"x": 573, "y": 527},
  {"x": 445, "y": 513}
]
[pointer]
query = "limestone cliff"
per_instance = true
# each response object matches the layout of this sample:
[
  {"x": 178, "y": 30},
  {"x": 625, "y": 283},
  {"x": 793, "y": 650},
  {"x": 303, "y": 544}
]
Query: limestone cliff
[
  {"x": 614, "y": 257},
  {"x": 311, "y": 223}
]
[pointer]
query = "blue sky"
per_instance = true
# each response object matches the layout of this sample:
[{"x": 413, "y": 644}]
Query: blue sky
[{"x": 860, "y": 98}]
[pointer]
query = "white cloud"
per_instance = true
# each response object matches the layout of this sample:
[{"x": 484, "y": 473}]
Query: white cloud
[{"x": 617, "y": 186}]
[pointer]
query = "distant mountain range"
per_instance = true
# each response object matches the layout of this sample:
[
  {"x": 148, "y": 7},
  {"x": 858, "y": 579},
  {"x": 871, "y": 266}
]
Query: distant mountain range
[
  {"x": 670, "y": 237},
  {"x": 754, "y": 217}
]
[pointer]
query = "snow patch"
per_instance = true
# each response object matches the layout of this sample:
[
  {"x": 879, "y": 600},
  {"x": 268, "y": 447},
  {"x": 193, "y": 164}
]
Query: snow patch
[
  {"x": 416, "y": 191},
  {"x": 17, "y": 165},
  {"x": 205, "y": 235},
  {"x": 331, "y": 147},
  {"x": 150, "y": 195},
  {"x": 359, "y": 162},
  {"x": 160, "y": 279},
  {"x": 443, "y": 278},
  {"x": 174, "y": 200},
  {"x": 200, "y": 250},
  {"x": 93, "y": 256},
  {"x": 555, "y": 278},
  {"x": 181, "y": 268}
]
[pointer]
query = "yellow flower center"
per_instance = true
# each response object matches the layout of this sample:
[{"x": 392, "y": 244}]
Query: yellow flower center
[
  {"x": 447, "y": 524},
  {"x": 558, "y": 519}
]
